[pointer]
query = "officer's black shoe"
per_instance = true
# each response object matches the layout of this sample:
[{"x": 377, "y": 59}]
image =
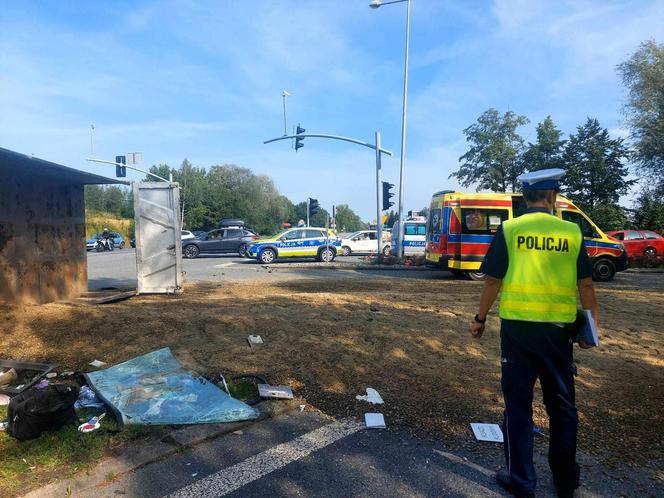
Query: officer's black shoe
[
  {"x": 565, "y": 493},
  {"x": 505, "y": 482}
]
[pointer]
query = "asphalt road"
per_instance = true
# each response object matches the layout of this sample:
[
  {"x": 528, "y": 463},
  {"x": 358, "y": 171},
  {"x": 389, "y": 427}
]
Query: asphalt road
[
  {"x": 117, "y": 269},
  {"x": 307, "y": 454}
]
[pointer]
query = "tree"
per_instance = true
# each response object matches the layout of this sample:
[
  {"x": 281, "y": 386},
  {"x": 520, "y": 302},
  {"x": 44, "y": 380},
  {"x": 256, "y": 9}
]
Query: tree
[
  {"x": 609, "y": 217},
  {"x": 648, "y": 212},
  {"x": 162, "y": 170},
  {"x": 492, "y": 162},
  {"x": 348, "y": 220},
  {"x": 547, "y": 152},
  {"x": 596, "y": 171},
  {"x": 643, "y": 75}
]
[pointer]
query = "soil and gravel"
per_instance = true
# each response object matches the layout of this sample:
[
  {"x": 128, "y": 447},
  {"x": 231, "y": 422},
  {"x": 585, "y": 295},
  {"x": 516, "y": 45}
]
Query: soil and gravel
[{"x": 407, "y": 338}]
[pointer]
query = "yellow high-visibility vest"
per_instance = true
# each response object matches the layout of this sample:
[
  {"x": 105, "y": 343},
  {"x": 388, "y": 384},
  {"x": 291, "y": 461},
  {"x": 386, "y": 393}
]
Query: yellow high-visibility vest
[{"x": 541, "y": 283}]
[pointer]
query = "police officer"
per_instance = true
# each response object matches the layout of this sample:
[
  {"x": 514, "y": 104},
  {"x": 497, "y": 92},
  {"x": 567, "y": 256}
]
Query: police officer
[{"x": 537, "y": 262}]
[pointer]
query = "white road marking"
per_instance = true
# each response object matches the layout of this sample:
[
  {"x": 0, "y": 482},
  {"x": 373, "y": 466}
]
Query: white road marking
[
  {"x": 253, "y": 468},
  {"x": 225, "y": 265}
]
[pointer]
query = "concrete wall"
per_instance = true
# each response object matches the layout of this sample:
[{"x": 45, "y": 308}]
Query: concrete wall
[{"x": 42, "y": 239}]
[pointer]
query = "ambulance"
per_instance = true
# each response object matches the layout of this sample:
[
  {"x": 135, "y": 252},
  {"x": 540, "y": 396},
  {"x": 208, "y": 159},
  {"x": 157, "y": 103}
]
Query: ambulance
[{"x": 461, "y": 226}]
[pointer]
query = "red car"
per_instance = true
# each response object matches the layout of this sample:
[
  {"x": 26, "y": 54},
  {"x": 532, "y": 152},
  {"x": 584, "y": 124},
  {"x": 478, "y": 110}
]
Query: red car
[{"x": 640, "y": 242}]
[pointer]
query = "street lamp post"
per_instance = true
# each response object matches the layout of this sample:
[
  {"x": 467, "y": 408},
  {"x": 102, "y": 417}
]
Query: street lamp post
[{"x": 402, "y": 163}]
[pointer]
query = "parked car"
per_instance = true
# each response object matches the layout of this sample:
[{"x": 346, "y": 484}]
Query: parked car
[
  {"x": 186, "y": 235},
  {"x": 364, "y": 242},
  {"x": 199, "y": 233},
  {"x": 219, "y": 241},
  {"x": 305, "y": 242},
  {"x": 640, "y": 242},
  {"x": 118, "y": 241}
]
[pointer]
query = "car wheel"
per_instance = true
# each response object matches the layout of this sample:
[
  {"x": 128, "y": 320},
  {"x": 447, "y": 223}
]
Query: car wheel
[
  {"x": 122, "y": 245},
  {"x": 267, "y": 256},
  {"x": 326, "y": 255},
  {"x": 603, "y": 270},
  {"x": 242, "y": 250},
  {"x": 346, "y": 251},
  {"x": 386, "y": 251},
  {"x": 476, "y": 275},
  {"x": 191, "y": 251},
  {"x": 650, "y": 252},
  {"x": 98, "y": 248}
]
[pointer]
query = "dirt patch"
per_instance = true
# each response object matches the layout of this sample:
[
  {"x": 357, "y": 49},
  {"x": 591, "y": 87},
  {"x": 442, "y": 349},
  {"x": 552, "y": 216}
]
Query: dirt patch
[{"x": 330, "y": 339}]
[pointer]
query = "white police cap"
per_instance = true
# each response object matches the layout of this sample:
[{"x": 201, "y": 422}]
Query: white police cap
[{"x": 544, "y": 179}]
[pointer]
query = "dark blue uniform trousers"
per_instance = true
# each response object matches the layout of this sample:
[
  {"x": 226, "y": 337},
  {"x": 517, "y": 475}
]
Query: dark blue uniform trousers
[{"x": 532, "y": 350}]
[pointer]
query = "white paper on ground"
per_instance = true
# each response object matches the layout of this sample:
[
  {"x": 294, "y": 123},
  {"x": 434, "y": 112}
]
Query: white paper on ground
[
  {"x": 96, "y": 363},
  {"x": 487, "y": 432},
  {"x": 372, "y": 396},
  {"x": 281, "y": 392},
  {"x": 374, "y": 420}
]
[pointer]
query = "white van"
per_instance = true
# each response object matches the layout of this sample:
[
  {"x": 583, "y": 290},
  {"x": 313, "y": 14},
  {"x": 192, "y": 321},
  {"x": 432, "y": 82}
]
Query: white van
[
  {"x": 414, "y": 237},
  {"x": 365, "y": 242}
]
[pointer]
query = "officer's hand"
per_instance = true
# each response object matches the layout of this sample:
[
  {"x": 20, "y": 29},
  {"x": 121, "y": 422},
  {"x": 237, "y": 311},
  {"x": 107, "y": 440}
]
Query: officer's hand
[{"x": 476, "y": 329}]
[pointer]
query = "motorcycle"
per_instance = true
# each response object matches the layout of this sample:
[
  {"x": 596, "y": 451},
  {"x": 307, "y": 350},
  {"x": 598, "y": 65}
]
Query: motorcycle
[{"x": 104, "y": 245}]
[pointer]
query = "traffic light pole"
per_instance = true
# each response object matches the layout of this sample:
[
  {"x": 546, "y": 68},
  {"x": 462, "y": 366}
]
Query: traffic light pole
[
  {"x": 379, "y": 197},
  {"x": 379, "y": 192}
]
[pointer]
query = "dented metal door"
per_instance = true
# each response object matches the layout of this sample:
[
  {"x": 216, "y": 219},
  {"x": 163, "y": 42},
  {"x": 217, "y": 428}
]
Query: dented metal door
[{"x": 158, "y": 237}]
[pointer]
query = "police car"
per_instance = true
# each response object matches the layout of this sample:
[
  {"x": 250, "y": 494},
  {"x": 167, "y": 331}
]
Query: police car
[
  {"x": 303, "y": 242},
  {"x": 414, "y": 236}
]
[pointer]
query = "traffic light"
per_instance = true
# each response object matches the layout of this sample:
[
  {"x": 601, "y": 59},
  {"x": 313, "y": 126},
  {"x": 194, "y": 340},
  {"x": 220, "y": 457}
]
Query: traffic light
[
  {"x": 120, "y": 171},
  {"x": 299, "y": 140},
  {"x": 313, "y": 207},
  {"x": 387, "y": 195}
]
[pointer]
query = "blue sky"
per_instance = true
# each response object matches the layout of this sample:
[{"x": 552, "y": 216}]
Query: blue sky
[{"x": 203, "y": 80}]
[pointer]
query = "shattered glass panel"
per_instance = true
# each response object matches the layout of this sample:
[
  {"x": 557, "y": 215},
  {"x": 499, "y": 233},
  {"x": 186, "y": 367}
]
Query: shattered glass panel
[{"x": 154, "y": 389}]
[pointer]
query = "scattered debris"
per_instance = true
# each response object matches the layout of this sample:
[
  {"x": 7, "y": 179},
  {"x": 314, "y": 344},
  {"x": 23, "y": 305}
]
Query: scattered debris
[
  {"x": 372, "y": 396},
  {"x": 254, "y": 340},
  {"x": 66, "y": 374},
  {"x": 194, "y": 474},
  {"x": 302, "y": 407},
  {"x": 539, "y": 431},
  {"x": 279, "y": 392},
  {"x": 87, "y": 399},
  {"x": 97, "y": 363},
  {"x": 92, "y": 424},
  {"x": 238, "y": 433},
  {"x": 7, "y": 376},
  {"x": 42, "y": 384},
  {"x": 374, "y": 421},
  {"x": 17, "y": 376},
  {"x": 3, "y": 426},
  {"x": 51, "y": 375},
  {"x": 487, "y": 432}
]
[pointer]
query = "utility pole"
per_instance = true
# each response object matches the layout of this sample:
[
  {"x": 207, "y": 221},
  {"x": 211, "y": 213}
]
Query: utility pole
[
  {"x": 308, "y": 205},
  {"x": 92, "y": 143}
]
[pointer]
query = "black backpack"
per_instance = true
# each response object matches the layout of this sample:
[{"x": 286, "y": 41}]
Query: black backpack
[{"x": 37, "y": 410}]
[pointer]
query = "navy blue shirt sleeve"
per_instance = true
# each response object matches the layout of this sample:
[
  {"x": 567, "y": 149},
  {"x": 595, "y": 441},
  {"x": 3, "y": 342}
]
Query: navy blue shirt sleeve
[
  {"x": 584, "y": 268},
  {"x": 496, "y": 260}
]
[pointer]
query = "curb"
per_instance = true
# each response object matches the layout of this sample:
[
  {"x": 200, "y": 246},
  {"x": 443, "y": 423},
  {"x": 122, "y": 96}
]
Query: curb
[
  {"x": 350, "y": 266},
  {"x": 137, "y": 455},
  {"x": 644, "y": 270}
]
